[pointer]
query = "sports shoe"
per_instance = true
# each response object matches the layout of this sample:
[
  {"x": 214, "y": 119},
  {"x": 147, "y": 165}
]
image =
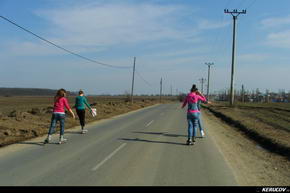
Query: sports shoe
[
  {"x": 202, "y": 133},
  {"x": 48, "y": 139},
  {"x": 84, "y": 131},
  {"x": 62, "y": 140},
  {"x": 189, "y": 142}
]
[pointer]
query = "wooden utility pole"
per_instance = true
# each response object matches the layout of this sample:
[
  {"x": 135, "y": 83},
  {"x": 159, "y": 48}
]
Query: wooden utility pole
[
  {"x": 132, "y": 91},
  {"x": 235, "y": 13}
]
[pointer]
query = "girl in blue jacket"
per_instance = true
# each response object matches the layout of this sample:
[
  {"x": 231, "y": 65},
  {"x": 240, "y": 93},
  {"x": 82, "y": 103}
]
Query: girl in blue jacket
[{"x": 80, "y": 104}]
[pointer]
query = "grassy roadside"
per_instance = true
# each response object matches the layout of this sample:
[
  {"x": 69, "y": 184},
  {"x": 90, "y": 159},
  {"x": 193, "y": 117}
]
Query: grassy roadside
[{"x": 266, "y": 124}]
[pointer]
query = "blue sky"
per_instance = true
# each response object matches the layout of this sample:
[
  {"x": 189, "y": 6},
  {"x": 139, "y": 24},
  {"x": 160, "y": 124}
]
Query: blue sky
[{"x": 170, "y": 39}]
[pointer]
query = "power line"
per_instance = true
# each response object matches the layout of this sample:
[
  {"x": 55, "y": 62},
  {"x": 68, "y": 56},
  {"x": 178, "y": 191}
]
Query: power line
[
  {"x": 62, "y": 48},
  {"x": 250, "y": 5},
  {"x": 228, "y": 3},
  {"x": 241, "y": 3},
  {"x": 143, "y": 79},
  {"x": 216, "y": 41}
]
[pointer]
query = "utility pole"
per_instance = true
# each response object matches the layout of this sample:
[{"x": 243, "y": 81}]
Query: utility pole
[
  {"x": 202, "y": 80},
  {"x": 235, "y": 13},
  {"x": 133, "y": 80},
  {"x": 160, "y": 90},
  {"x": 208, "y": 77},
  {"x": 243, "y": 93}
]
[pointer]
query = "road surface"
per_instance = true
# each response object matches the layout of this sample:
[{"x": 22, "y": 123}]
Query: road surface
[{"x": 145, "y": 147}]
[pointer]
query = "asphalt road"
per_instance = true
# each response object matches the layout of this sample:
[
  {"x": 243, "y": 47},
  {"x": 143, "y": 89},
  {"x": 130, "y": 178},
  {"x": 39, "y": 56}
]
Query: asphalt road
[{"x": 145, "y": 148}]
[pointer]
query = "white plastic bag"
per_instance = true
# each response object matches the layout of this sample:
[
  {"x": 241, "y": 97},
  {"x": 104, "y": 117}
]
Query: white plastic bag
[{"x": 94, "y": 112}]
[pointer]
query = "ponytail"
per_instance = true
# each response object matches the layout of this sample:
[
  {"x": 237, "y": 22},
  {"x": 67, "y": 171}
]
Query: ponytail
[{"x": 193, "y": 88}]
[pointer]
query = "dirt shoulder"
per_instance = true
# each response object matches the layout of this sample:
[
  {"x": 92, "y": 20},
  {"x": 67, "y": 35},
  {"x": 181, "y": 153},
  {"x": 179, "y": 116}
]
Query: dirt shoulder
[
  {"x": 23, "y": 118},
  {"x": 263, "y": 123},
  {"x": 252, "y": 165}
]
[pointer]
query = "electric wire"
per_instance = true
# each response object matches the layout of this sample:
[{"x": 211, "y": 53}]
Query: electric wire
[
  {"x": 140, "y": 76},
  {"x": 251, "y": 4},
  {"x": 62, "y": 48},
  {"x": 228, "y": 3},
  {"x": 73, "y": 53},
  {"x": 217, "y": 40},
  {"x": 240, "y": 4}
]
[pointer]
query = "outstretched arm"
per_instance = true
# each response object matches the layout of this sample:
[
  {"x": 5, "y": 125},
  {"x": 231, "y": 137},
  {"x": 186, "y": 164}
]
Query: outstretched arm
[
  {"x": 72, "y": 113},
  {"x": 184, "y": 102},
  {"x": 66, "y": 104},
  {"x": 87, "y": 104},
  {"x": 201, "y": 96}
]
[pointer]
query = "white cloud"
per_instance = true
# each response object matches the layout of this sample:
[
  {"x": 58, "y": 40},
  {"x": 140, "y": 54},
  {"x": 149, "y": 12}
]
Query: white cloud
[
  {"x": 206, "y": 24},
  {"x": 94, "y": 27},
  {"x": 279, "y": 39},
  {"x": 278, "y": 32},
  {"x": 176, "y": 53},
  {"x": 29, "y": 49},
  {"x": 119, "y": 23},
  {"x": 275, "y": 22},
  {"x": 110, "y": 24},
  {"x": 252, "y": 58}
]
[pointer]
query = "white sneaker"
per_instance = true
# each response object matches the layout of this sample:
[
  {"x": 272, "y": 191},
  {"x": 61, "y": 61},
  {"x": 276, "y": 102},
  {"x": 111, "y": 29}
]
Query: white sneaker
[
  {"x": 189, "y": 142},
  {"x": 62, "y": 140},
  {"x": 84, "y": 131},
  {"x": 202, "y": 133}
]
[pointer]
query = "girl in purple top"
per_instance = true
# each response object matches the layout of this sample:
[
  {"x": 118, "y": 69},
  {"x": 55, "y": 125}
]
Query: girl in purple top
[
  {"x": 193, "y": 112},
  {"x": 60, "y": 103}
]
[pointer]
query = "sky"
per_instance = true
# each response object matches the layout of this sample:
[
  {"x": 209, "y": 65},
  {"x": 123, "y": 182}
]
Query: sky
[{"x": 171, "y": 40}]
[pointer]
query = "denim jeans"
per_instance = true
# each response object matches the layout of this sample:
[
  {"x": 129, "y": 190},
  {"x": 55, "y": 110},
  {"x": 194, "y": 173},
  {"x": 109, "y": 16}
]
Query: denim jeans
[
  {"x": 54, "y": 119},
  {"x": 192, "y": 120},
  {"x": 200, "y": 123}
]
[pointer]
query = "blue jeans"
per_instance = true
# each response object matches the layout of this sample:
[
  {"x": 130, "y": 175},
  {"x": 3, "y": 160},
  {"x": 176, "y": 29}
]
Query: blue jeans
[
  {"x": 192, "y": 120},
  {"x": 57, "y": 117},
  {"x": 199, "y": 123}
]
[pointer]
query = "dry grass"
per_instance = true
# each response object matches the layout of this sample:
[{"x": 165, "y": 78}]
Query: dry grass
[{"x": 23, "y": 118}]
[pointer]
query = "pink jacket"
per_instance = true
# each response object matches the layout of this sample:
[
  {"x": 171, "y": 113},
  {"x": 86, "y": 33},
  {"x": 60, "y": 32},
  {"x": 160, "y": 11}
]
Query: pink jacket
[
  {"x": 192, "y": 100},
  {"x": 60, "y": 104}
]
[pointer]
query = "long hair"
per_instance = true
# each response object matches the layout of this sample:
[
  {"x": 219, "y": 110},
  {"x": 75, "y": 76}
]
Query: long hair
[{"x": 59, "y": 94}]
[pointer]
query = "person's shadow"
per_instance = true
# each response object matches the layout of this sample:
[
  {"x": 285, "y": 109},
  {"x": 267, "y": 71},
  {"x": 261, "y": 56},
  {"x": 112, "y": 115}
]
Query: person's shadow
[
  {"x": 160, "y": 133},
  {"x": 151, "y": 141},
  {"x": 73, "y": 132},
  {"x": 31, "y": 143}
]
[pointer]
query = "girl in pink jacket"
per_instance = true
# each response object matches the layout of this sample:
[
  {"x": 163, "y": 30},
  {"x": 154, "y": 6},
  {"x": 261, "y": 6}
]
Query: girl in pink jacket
[
  {"x": 58, "y": 114},
  {"x": 193, "y": 112}
]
